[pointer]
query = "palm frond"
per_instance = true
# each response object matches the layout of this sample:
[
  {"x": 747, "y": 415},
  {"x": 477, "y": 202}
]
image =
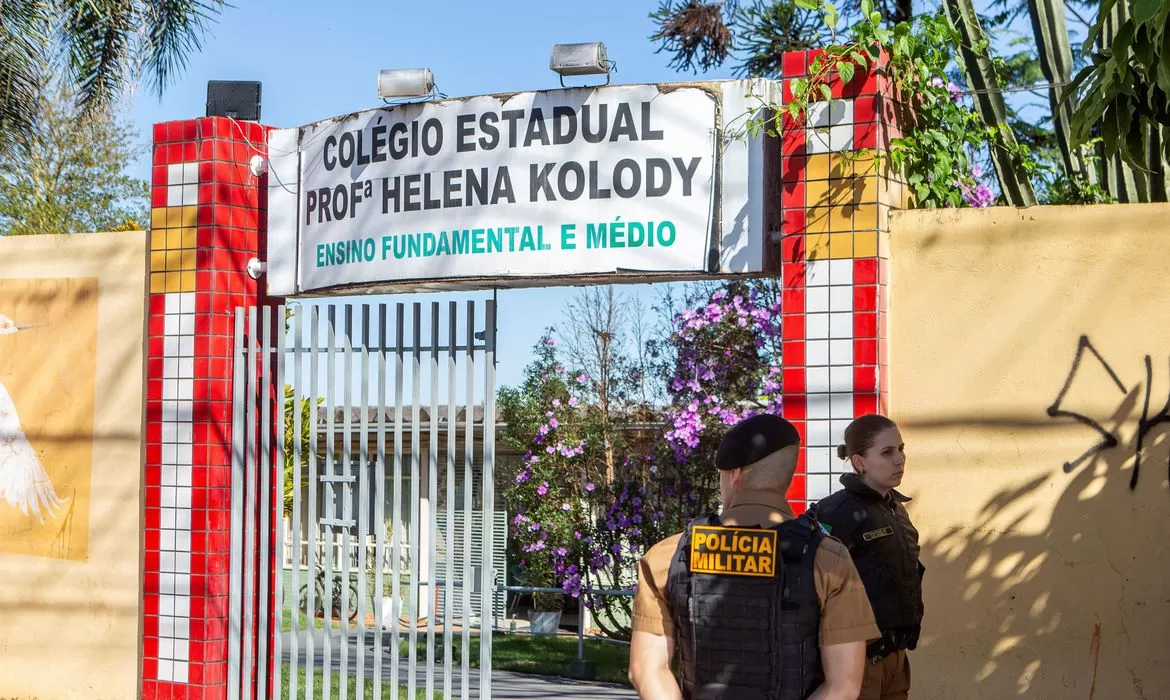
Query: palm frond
[
  {"x": 173, "y": 30},
  {"x": 97, "y": 39},
  {"x": 24, "y": 38}
]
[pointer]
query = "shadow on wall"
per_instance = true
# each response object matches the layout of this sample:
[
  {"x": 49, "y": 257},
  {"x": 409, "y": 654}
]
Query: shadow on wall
[{"x": 1058, "y": 588}]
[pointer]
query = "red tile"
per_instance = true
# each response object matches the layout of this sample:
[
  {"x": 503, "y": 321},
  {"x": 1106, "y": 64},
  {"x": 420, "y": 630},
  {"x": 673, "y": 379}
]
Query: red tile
[
  {"x": 793, "y": 143},
  {"x": 190, "y": 129},
  {"x": 793, "y": 64},
  {"x": 864, "y": 404},
  {"x": 160, "y": 132},
  {"x": 865, "y": 271},
  {"x": 794, "y": 353},
  {"x": 865, "y": 325},
  {"x": 836, "y": 87},
  {"x": 865, "y": 352},
  {"x": 158, "y": 197},
  {"x": 795, "y": 405},
  {"x": 865, "y": 297},
  {"x": 792, "y": 248},
  {"x": 793, "y": 378},
  {"x": 792, "y": 194},
  {"x": 865, "y": 379},
  {"x": 796, "y": 489},
  {"x": 791, "y": 302},
  {"x": 866, "y": 136},
  {"x": 793, "y": 274},
  {"x": 150, "y": 687},
  {"x": 794, "y": 168},
  {"x": 810, "y": 57},
  {"x": 792, "y": 327},
  {"x": 794, "y": 221}
]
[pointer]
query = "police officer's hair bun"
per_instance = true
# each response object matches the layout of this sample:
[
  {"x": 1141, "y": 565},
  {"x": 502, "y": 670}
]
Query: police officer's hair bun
[
  {"x": 860, "y": 434},
  {"x": 841, "y": 451}
]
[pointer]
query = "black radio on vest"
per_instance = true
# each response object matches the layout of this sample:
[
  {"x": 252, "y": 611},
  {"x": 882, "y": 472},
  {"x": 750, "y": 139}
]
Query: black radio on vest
[{"x": 746, "y": 612}]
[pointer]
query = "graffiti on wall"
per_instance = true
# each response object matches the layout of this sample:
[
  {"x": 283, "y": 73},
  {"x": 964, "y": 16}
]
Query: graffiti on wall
[
  {"x": 48, "y": 345},
  {"x": 1108, "y": 438}
]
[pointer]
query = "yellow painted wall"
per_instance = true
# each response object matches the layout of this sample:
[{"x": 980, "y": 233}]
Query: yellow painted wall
[
  {"x": 1041, "y": 582},
  {"x": 70, "y": 585}
]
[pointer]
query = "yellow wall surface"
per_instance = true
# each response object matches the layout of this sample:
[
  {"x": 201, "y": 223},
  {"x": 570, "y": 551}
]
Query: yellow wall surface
[
  {"x": 71, "y": 456},
  {"x": 1045, "y": 542}
]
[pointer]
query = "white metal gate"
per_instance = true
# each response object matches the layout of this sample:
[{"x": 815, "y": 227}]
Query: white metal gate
[{"x": 364, "y": 490}]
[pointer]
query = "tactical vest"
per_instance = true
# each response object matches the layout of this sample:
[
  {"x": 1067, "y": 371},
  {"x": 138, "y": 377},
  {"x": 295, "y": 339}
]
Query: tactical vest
[{"x": 748, "y": 637}]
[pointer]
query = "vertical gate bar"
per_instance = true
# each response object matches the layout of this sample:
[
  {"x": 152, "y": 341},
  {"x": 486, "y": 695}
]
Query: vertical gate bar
[
  {"x": 296, "y": 516},
  {"x": 347, "y": 499},
  {"x": 380, "y": 505},
  {"x": 313, "y": 524},
  {"x": 264, "y": 511},
  {"x": 363, "y": 493},
  {"x": 452, "y": 433},
  {"x": 396, "y": 500},
  {"x": 488, "y": 493},
  {"x": 432, "y": 500},
  {"x": 468, "y": 493},
  {"x": 330, "y": 500},
  {"x": 236, "y": 572},
  {"x": 415, "y": 549},
  {"x": 250, "y": 524}
]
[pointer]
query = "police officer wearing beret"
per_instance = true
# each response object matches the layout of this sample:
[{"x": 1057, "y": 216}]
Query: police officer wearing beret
[
  {"x": 870, "y": 517},
  {"x": 758, "y": 604}
]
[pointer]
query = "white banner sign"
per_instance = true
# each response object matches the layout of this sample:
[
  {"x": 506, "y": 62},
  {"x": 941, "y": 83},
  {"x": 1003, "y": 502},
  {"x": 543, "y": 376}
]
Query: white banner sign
[{"x": 555, "y": 184}]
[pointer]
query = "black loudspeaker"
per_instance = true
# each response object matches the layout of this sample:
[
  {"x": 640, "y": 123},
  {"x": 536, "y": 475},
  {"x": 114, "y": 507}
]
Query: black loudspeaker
[{"x": 238, "y": 99}]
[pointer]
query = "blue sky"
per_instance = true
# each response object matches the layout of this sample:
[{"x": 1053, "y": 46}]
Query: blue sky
[{"x": 317, "y": 60}]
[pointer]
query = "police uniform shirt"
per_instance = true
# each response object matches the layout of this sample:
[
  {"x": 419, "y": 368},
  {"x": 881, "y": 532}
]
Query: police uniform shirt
[{"x": 846, "y": 615}]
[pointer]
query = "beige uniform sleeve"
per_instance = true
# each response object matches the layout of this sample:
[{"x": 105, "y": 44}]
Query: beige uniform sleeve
[
  {"x": 651, "y": 612},
  {"x": 846, "y": 615}
]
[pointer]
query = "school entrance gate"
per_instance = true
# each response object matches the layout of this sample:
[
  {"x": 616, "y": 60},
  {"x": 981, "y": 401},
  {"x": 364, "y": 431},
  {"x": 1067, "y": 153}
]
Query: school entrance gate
[
  {"x": 379, "y": 418},
  {"x": 255, "y": 590}
]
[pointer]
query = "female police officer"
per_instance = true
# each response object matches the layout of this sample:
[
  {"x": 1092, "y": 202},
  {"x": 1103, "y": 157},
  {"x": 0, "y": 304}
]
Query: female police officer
[
  {"x": 758, "y": 605},
  {"x": 868, "y": 516}
]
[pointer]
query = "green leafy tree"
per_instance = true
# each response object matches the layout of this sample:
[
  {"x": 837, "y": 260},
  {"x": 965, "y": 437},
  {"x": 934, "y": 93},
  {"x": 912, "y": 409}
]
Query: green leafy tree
[
  {"x": 68, "y": 174},
  {"x": 101, "y": 48}
]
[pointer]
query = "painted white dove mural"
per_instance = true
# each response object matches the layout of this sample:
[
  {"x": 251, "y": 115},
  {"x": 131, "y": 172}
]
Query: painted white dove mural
[{"x": 23, "y": 481}]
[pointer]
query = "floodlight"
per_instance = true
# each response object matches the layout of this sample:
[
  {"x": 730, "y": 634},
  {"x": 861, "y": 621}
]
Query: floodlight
[
  {"x": 579, "y": 59},
  {"x": 405, "y": 82}
]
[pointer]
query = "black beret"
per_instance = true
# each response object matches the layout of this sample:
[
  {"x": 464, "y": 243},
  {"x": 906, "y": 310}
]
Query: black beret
[{"x": 753, "y": 439}]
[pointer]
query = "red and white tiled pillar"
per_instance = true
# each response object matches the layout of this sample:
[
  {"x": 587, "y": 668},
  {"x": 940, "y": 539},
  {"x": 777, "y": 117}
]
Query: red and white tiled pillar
[
  {"x": 207, "y": 221},
  {"x": 834, "y": 264}
]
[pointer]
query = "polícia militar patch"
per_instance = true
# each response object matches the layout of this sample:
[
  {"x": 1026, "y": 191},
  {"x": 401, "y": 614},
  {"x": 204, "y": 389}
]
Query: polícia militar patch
[{"x": 733, "y": 551}]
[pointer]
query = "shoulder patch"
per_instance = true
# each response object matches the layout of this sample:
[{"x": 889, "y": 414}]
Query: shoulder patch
[
  {"x": 733, "y": 551},
  {"x": 878, "y": 533}
]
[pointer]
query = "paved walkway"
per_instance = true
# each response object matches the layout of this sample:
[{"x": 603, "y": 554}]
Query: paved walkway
[{"x": 505, "y": 685}]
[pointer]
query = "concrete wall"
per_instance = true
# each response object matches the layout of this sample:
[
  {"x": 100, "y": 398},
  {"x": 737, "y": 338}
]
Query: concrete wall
[
  {"x": 1047, "y": 572},
  {"x": 72, "y": 379}
]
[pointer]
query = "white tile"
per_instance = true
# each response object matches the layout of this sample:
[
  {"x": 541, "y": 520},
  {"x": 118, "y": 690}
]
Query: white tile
[
  {"x": 166, "y": 668},
  {"x": 183, "y": 519},
  {"x": 816, "y": 273},
  {"x": 819, "y": 460},
  {"x": 840, "y": 325},
  {"x": 181, "y": 671},
  {"x": 182, "y": 606},
  {"x": 183, "y": 560},
  {"x": 185, "y": 432},
  {"x": 183, "y": 543},
  {"x": 170, "y": 390},
  {"x": 183, "y": 452},
  {"x": 816, "y": 326},
  {"x": 166, "y": 603},
  {"x": 840, "y": 271},
  {"x": 167, "y": 563},
  {"x": 183, "y": 411},
  {"x": 170, "y": 367},
  {"x": 182, "y": 631},
  {"x": 186, "y": 346},
  {"x": 816, "y": 353},
  {"x": 175, "y": 174},
  {"x": 817, "y": 406},
  {"x": 816, "y": 379},
  {"x": 166, "y": 584},
  {"x": 171, "y": 345},
  {"x": 185, "y": 389},
  {"x": 186, "y": 367},
  {"x": 183, "y": 582},
  {"x": 171, "y": 324},
  {"x": 191, "y": 192},
  {"x": 841, "y": 378},
  {"x": 841, "y": 352},
  {"x": 167, "y": 522},
  {"x": 174, "y": 195},
  {"x": 818, "y": 433},
  {"x": 816, "y": 300},
  {"x": 169, "y": 474},
  {"x": 183, "y": 501},
  {"x": 168, "y": 498},
  {"x": 186, "y": 324},
  {"x": 186, "y": 301},
  {"x": 817, "y": 486},
  {"x": 190, "y": 173},
  {"x": 840, "y": 139},
  {"x": 819, "y": 141},
  {"x": 841, "y": 406},
  {"x": 166, "y": 540},
  {"x": 837, "y": 430},
  {"x": 823, "y": 114},
  {"x": 170, "y": 432},
  {"x": 170, "y": 453},
  {"x": 840, "y": 298}
]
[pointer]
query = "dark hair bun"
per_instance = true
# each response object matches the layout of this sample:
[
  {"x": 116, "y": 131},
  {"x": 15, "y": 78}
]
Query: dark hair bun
[{"x": 841, "y": 451}]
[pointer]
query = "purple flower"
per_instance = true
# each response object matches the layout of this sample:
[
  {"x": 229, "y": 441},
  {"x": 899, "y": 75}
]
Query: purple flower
[
  {"x": 542, "y": 489},
  {"x": 581, "y": 378},
  {"x": 573, "y": 402},
  {"x": 550, "y": 341},
  {"x": 566, "y": 507},
  {"x": 589, "y": 486}
]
